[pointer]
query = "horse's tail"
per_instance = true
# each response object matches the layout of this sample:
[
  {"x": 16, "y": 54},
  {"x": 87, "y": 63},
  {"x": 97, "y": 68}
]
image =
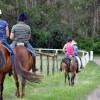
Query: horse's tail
[
  {"x": 24, "y": 73},
  {"x": 2, "y": 60},
  {"x": 64, "y": 64},
  {"x": 60, "y": 66}
]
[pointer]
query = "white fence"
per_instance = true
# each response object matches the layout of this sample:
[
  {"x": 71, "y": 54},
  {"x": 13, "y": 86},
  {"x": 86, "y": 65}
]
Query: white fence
[{"x": 86, "y": 56}]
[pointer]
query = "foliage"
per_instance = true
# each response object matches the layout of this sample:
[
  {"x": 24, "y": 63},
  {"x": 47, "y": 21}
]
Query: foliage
[
  {"x": 96, "y": 47},
  {"x": 52, "y": 22},
  {"x": 86, "y": 43}
]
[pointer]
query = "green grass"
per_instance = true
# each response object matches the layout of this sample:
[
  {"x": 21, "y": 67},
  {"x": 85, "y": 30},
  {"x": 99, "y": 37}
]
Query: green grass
[{"x": 53, "y": 88}]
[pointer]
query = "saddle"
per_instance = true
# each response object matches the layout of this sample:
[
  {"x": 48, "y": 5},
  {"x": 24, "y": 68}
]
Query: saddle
[{"x": 23, "y": 44}]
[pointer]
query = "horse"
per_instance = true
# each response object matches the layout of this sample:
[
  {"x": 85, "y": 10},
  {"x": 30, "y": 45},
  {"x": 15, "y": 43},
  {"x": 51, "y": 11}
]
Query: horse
[
  {"x": 24, "y": 62},
  {"x": 69, "y": 66},
  {"x": 5, "y": 66}
]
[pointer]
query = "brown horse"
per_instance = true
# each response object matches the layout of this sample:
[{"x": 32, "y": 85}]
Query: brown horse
[
  {"x": 23, "y": 64},
  {"x": 69, "y": 65},
  {"x": 5, "y": 66}
]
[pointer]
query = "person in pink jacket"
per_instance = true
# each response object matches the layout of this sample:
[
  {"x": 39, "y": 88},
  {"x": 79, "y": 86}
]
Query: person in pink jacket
[{"x": 68, "y": 49}]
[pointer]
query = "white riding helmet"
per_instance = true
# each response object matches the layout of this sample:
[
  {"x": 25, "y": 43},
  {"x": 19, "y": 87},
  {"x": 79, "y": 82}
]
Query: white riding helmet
[{"x": 73, "y": 42}]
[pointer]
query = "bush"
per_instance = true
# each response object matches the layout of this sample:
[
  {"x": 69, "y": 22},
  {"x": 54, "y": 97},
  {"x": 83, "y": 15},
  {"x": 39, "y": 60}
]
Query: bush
[
  {"x": 96, "y": 47},
  {"x": 85, "y": 43}
]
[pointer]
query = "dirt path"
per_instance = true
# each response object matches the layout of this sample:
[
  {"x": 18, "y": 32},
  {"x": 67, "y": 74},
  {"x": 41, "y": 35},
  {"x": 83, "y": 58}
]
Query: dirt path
[
  {"x": 97, "y": 60},
  {"x": 95, "y": 95}
]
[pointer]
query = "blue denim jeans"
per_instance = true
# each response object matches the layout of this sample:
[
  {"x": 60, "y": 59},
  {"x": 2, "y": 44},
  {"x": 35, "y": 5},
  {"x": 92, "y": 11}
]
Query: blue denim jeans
[
  {"x": 12, "y": 53},
  {"x": 66, "y": 56},
  {"x": 28, "y": 45}
]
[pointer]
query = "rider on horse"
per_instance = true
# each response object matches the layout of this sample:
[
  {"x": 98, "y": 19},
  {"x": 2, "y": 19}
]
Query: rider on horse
[
  {"x": 21, "y": 33},
  {"x": 68, "y": 49},
  {"x": 75, "y": 48},
  {"x": 76, "y": 53},
  {"x": 4, "y": 33}
]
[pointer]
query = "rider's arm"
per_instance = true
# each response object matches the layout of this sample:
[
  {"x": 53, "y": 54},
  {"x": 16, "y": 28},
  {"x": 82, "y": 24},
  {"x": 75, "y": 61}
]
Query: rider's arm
[
  {"x": 7, "y": 31},
  {"x": 64, "y": 48},
  {"x": 12, "y": 36},
  {"x": 30, "y": 36},
  {"x": 12, "y": 33}
]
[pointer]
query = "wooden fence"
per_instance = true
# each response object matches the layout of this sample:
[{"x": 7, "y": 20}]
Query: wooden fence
[
  {"x": 54, "y": 62},
  {"x": 86, "y": 57}
]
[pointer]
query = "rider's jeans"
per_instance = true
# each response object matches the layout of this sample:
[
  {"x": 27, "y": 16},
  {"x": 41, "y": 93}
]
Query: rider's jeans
[
  {"x": 12, "y": 53},
  {"x": 27, "y": 45}
]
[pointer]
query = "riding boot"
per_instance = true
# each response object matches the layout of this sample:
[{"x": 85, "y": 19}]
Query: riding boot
[
  {"x": 12, "y": 65},
  {"x": 81, "y": 63},
  {"x": 34, "y": 69}
]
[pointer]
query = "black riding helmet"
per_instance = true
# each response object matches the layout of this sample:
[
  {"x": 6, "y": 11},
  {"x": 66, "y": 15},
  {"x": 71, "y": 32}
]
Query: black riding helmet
[
  {"x": 22, "y": 17},
  {"x": 69, "y": 39}
]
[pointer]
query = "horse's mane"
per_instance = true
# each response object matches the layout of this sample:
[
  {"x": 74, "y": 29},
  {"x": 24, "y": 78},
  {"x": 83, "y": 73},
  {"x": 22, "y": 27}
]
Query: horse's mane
[{"x": 2, "y": 60}]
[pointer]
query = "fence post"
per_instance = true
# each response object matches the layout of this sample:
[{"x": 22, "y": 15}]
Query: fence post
[
  {"x": 47, "y": 65},
  {"x": 53, "y": 61},
  {"x": 91, "y": 55},
  {"x": 83, "y": 54},
  {"x": 41, "y": 68},
  {"x": 56, "y": 62},
  {"x": 56, "y": 51}
]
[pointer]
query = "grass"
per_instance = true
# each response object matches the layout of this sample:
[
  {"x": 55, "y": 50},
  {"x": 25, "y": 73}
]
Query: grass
[{"x": 53, "y": 88}]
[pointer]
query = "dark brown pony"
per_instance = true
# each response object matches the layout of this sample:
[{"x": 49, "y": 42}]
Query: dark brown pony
[
  {"x": 5, "y": 67},
  {"x": 23, "y": 64},
  {"x": 69, "y": 66}
]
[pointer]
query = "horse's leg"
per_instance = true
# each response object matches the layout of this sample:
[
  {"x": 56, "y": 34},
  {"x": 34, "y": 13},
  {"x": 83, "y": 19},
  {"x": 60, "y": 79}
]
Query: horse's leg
[
  {"x": 1, "y": 91},
  {"x": 76, "y": 78},
  {"x": 1, "y": 86},
  {"x": 73, "y": 79},
  {"x": 68, "y": 78},
  {"x": 65, "y": 78},
  {"x": 23, "y": 87},
  {"x": 17, "y": 85}
]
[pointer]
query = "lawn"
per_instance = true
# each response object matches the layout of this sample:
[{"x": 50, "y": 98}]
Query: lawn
[{"x": 53, "y": 88}]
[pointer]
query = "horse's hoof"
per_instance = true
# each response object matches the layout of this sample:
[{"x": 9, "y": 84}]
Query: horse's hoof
[
  {"x": 17, "y": 95},
  {"x": 22, "y": 95},
  {"x": 72, "y": 84},
  {"x": 35, "y": 70},
  {"x": 65, "y": 84}
]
